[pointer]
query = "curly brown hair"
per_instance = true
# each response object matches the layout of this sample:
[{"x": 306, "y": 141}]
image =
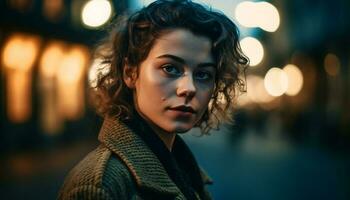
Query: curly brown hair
[{"x": 132, "y": 37}]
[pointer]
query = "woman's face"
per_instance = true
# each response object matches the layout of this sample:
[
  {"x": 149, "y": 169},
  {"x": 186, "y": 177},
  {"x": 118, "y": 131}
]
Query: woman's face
[{"x": 175, "y": 81}]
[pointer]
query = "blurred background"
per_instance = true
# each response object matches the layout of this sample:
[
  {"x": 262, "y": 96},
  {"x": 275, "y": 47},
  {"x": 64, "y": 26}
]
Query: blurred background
[{"x": 291, "y": 137}]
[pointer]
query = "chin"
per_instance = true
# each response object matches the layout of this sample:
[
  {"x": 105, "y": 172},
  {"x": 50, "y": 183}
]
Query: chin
[
  {"x": 182, "y": 129},
  {"x": 177, "y": 126}
]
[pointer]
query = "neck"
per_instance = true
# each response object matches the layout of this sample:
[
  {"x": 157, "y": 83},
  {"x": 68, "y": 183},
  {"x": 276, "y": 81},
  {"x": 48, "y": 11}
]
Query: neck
[{"x": 166, "y": 137}]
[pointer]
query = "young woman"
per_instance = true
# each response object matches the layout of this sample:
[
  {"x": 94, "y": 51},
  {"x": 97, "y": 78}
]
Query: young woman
[{"x": 173, "y": 65}]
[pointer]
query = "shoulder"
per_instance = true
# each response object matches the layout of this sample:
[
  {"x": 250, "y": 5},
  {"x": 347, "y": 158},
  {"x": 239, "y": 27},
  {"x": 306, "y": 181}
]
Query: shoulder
[{"x": 100, "y": 175}]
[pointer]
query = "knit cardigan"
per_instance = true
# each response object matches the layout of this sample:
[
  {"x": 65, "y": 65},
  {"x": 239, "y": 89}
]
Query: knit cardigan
[{"x": 121, "y": 167}]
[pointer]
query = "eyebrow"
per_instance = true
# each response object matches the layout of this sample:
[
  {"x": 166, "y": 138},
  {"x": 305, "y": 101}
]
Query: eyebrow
[{"x": 182, "y": 61}]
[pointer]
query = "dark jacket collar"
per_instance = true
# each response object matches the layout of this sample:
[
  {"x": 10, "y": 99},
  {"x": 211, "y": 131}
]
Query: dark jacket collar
[
  {"x": 179, "y": 163},
  {"x": 120, "y": 139},
  {"x": 137, "y": 156}
]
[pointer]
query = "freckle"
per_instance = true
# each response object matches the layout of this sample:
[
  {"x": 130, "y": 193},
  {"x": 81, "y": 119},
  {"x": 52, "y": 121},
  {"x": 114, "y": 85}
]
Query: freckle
[{"x": 163, "y": 99}]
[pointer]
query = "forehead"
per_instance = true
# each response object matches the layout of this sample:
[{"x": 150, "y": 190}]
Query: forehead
[{"x": 183, "y": 43}]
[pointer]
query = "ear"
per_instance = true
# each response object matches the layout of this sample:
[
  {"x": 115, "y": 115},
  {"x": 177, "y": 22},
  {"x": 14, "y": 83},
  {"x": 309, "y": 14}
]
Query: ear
[{"x": 129, "y": 76}]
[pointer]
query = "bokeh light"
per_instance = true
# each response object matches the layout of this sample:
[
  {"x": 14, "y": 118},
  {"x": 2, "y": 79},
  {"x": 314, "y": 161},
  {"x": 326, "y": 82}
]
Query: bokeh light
[
  {"x": 276, "y": 82},
  {"x": 258, "y": 14},
  {"x": 269, "y": 19},
  {"x": 21, "y": 5},
  {"x": 72, "y": 66},
  {"x": 71, "y": 83},
  {"x": 20, "y": 51},
  {"x": 246, "y": 14},
  {"x": 51, "y": 121},
  {"x": 53, "y": 10},
  {"x": 18, "y": 56},
  {"x": 252, "y": 48},
  {"x": 95, "y": 13},
  {"x": 256, "y": 90},
  {"x": 51, "y": 59},
  {"x": 295, "y": 79},
  {"x": 331, "y": 64},
  {"x": 19, "y": 96}
]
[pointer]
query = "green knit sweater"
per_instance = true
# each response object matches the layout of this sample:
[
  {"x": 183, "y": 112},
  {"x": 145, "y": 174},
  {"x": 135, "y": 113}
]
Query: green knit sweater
[{"x": 121, "y": 168}]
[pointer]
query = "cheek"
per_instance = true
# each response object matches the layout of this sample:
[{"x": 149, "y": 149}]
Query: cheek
[
  {"x": 151, "y": 88},
  {"x": 203, "y": 99},
  {"x": 204, "y": 93}
]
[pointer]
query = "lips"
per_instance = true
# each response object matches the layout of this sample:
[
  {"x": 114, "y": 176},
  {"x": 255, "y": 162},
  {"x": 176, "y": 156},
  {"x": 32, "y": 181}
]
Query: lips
[{"x": 184, "y": 108}]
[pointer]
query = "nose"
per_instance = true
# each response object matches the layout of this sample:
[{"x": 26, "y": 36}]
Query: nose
[{"x": 186, "y": 87}]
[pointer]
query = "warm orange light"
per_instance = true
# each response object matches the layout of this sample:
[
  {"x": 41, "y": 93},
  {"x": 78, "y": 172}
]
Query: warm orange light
[
  {"x": 295, "y": 79},
  {"x": 19, "y": 96},
  {"x": 51, "y": 121},
  {"x": 53, "y": 10},
  {"x": 51, "y": 59},
  {"x": 95, "y": 13},
  {"x": 276, "y": 82},
  {"x": 256, "y": 90},
  {"x": 73, "y": 65},
  {"x": 71, "y": 82},
  {"x": 332, "y": 64},
  {"x": 21, "y": 5},
  {"x": 258, "y": 14},
  {"x": 20, "y": 52},
  {"x": 269, "y": 19},
  {"x": 252, "y": 48},
  {"x": 62, "y": 70},
  {"x": 18, "y": 56}
]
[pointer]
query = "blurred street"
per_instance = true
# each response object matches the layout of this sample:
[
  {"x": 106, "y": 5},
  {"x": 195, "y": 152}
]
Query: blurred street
[{"x": 261, "y": 164}]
